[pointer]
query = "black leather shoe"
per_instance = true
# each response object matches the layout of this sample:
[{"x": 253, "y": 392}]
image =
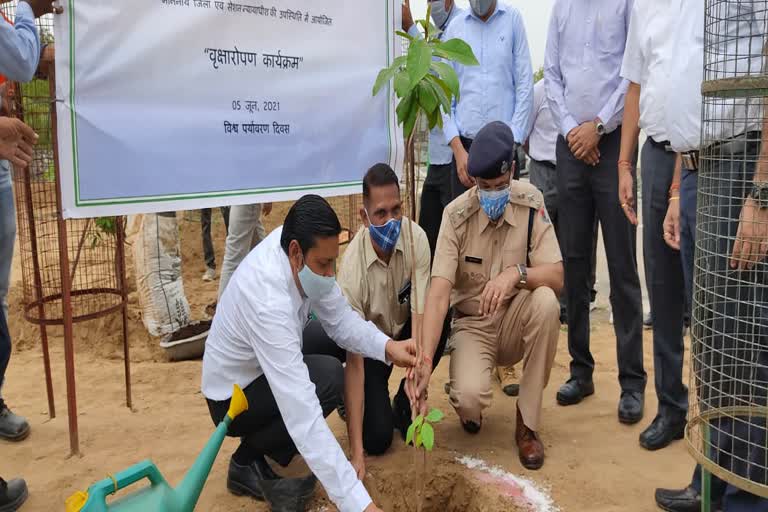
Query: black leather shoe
[
  {"x": 249, "y": 480},
  {"x": 685, "y": 500},
  {"x": 662, "y": 432},
  {"x": 12, "y": 427},
  {"x": 13, "y": 494},
  {"x": 289, "y": 494},
  {"x": 631, "y": 407},
  {"x": 574, "y": 391}
]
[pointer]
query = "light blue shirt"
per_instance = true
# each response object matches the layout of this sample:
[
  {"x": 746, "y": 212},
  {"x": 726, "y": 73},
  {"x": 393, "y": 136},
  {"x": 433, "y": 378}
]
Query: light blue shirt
[
  {"x": 439, "y": 152},
  {"x": 19, "y": 46},
  {"x": 501, "y": 87},
  {"x": 582, "y": 67},
  {"x": 19, "y": 56}
]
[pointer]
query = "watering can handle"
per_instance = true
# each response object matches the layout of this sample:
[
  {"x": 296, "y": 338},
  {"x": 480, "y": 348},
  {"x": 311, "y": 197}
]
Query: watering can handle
[{"x": 145, "y": 469}]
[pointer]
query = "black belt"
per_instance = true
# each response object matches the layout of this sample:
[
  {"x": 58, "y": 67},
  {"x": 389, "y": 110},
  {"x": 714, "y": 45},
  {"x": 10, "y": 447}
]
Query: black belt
[
  {"x": 664, "y": 144},
  {"x": 546, "y": 163},
  {"x": 739, "y": 143}
]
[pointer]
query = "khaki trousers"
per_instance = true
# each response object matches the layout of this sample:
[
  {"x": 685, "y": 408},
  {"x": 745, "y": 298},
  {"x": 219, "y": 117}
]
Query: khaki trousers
[{"x": 527, "y": 331}]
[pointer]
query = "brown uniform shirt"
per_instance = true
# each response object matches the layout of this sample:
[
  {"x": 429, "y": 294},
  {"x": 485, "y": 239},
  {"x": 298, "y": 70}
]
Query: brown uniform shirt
[
  {"x": 372, "y": 287},
  {"x": 472, "y": 250}
]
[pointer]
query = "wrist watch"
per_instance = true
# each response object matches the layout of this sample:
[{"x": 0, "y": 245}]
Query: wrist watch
[
  {"x": 599, "y": 127},
  {"x": 759, "y": 193},
  {"x": 523, "y": 277}
]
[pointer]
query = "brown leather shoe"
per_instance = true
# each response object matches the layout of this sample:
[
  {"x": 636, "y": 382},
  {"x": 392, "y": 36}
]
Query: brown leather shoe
[{"x": 530, "y": 448}]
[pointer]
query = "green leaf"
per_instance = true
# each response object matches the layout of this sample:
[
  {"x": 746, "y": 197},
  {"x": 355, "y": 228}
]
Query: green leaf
[
  {"x": 448, "y": 75},
  {"x": 386, "y": 74},
  {"x": 456, "y": 50},
  {"x": 427, "y": 97},
  {"x": 435, "y": 415},
  {"x": 410, "y": 121},
  {"x": 404, "y": 34},
  {"x": 419, "y": 60},
  {"x": 441, "y": 92},
  {"x": 428, "y": 436},
  {"x": 409, "y": 435},
  {"x": 402, "y": 84},
  {"x": 405, "y": 106},
  {"x": 418, "y": 442},
  {"x": 433, "y": 117},
  {"x": 429, "y": 29},
  {"x": 419, "y": 420}
]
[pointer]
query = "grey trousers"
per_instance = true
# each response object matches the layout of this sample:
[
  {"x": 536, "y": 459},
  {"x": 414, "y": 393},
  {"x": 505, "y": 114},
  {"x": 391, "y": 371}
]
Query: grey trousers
[
  {"x": 664, "y": 276},
  {"x": 245, "y": 232},
  {"x": 584, "y": 192}
]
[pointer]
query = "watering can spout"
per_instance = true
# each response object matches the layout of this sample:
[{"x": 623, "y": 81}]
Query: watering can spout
[{"x": 190, "y": 488}]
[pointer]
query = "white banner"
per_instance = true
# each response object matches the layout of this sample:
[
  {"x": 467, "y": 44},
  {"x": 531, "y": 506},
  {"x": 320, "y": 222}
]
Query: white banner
[{"x": 184, "y": 104}]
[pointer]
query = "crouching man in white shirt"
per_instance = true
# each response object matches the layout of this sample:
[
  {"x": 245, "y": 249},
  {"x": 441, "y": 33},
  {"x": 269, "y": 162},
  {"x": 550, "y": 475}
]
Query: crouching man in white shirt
[{"x": 256, "y": 342}]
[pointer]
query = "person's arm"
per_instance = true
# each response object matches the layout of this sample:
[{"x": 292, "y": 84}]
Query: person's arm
[
  {"x": 523, "y": 73},
  {"x": 610, "y": 114},
  {"x": 450, "y": 128},
  {"x": 553, "y": 78},
  {"x": 19, "y": 45},
  {"x": 671, "y": 224},
  {"x": 354, "y": 399},
  {"x": 275, "y": 340},
  {"x": 630, "y": 131}
]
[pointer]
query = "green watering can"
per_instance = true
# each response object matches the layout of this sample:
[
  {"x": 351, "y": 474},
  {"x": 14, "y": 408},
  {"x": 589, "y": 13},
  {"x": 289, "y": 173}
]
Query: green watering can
[{"x": 158, "y": 496}]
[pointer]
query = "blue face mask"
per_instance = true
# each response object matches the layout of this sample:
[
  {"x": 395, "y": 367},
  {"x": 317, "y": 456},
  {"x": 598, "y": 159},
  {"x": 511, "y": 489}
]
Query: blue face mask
[
  {"x": 386, "y": 235},
  {"x": 439, "y": 14},
  {"x": 315, "y": 286},
  {"x": 493, "y": 202}
]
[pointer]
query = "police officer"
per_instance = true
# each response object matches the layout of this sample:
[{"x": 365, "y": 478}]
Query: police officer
[{"x": 499, "y": 266}]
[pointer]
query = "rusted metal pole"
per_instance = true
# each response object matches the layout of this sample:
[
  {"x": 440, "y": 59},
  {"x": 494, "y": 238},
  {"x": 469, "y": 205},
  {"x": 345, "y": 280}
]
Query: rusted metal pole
[
  {"x": 123, "y": 282},
  {"x": 66, "y": 280},
  {"x": 37, "y": 278}
]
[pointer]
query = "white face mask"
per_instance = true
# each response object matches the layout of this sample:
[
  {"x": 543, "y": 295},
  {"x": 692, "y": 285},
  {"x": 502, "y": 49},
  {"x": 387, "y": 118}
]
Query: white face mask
[
  {"x": 315, "y": 286},
  {"x": 481, "y": 7}
]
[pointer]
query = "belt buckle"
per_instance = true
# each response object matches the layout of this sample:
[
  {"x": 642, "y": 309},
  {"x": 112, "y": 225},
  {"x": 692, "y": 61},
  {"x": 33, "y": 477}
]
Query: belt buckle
[{"x": 690, "y": 161}]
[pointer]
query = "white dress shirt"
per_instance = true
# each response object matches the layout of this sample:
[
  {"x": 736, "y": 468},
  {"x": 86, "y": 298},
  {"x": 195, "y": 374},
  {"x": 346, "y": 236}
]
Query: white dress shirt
[
  {"x": 257, "y": 331},
  {"x": 650, "y": 42},
  {"x": 742, "y": 34},
  {"x": 543, "y": 139}
]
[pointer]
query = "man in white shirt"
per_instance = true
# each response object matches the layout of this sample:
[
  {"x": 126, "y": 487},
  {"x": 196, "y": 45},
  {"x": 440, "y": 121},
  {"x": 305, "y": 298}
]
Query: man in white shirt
[
  {"x": 256, "y": 342},
  {"x": 646, "y": 57}
]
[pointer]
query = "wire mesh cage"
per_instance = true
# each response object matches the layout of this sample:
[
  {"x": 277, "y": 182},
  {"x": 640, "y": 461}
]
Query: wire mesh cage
[{"x": 729, "y": 372}]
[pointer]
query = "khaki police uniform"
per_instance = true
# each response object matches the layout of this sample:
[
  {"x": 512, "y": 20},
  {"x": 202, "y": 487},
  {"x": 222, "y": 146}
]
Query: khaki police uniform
[{"x": 471, "y": 251}]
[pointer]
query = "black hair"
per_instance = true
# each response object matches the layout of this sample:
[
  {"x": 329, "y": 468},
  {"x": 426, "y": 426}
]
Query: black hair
[
  {"x": 379, "y": 175},
  {"x": 310, "y": 218}
]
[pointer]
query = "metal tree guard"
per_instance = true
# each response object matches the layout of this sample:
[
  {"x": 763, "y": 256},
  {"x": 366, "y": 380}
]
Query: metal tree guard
[
  {"x": 726, "y": 432},
  {"x": 73, "y": 270}
]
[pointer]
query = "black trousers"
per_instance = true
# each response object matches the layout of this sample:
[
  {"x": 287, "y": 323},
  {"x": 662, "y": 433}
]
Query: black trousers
[
  {"x": 261, "y": 429},
  {"x": 378, "y": 422},
  {"x": 664, "y": 279},
  {"x": 5, "y": 348},
  {"x": 586, "y": 191},
  {"x": 205, "y": 224},
  {"x": 436, "y": 194}
]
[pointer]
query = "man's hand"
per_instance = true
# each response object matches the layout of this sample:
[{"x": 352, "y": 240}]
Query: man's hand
[
  {"x": 417, "y": 384},
  {"x": 583, "y": 139},
  {"x": 372, "y": 508},
  {"x": 462, "y": 159},
  {"x": 16, "y": 141},
  {"x": 498, "y": 291},
  {"x": 751, "y": 243},
  {"x": 358, "y": 462},
  {"x": 627, "y": 191},
  {"x": 401, "y": 353},
  {"x": 266, "y": 209},
  {"x": 40, "y": 7},
  {"x": 672, "y": 224},
  {"x": 407, "y": 16}
]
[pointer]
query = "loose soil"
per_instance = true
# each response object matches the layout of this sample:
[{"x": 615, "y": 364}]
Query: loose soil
[{"x": 593, "y": 463}]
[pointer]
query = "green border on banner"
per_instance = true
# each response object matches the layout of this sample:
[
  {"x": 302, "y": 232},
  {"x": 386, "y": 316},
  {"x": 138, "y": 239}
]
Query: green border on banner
[{"x": 389, "y": 47}]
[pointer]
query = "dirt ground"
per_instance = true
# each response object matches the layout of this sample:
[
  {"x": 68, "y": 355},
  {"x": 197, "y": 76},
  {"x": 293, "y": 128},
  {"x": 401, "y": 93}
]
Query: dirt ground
[{"x": 593, "y": 463}]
